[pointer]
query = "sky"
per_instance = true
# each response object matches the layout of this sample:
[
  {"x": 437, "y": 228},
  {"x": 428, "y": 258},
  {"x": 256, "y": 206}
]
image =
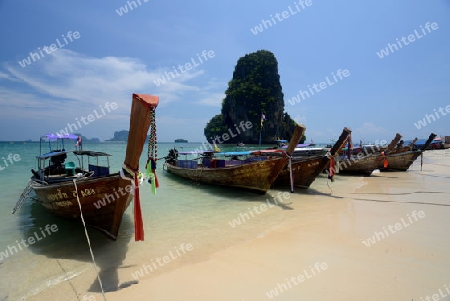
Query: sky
[{"x": 104, "y": 52}]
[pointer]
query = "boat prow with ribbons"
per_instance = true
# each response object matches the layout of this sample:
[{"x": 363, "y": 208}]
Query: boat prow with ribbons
[{"x": 78, "y": 185}]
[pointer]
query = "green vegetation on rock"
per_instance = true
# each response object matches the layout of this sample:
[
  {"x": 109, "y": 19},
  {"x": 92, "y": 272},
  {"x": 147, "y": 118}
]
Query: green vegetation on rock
[{"x": 254, "y": 90}]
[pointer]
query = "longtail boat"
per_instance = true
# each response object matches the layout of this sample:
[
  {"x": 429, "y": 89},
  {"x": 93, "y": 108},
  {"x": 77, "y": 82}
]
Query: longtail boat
[
  {"x": 89, "y": 190},
  {"x": 404, "y": 148},
  {"x": 305, "y": 169},
  {"x": 256, "y": 172},
  {"x": 363, "y": 165},
  {"x": 401, "y": 160},
  {"x": 365, "y": 162}
]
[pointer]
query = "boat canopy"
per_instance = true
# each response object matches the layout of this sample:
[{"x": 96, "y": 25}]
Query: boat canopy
[
  {"x": 242, "y": 153},
  {"x": 308, "y": 149},
  {"x": 51, "y": 154},
  {"x": 80, "y": 153},
  {"x": 194, "y": 152},
  {"x": 90, "y": 153},
  {"x": 53, "y": 137},
  {"x": 301, "y": 145},
  {"x": 269, "y": 152},
  {"x": 421, "y": 142}
]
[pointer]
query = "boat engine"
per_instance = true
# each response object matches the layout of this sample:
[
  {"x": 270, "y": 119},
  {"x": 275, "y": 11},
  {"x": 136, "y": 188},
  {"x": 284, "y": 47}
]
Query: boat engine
[{"x": 172, "y": 156}]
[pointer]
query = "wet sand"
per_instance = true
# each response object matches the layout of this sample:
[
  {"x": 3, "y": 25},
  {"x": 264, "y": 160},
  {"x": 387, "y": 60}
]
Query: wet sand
[{"x": 327, "y": 228}]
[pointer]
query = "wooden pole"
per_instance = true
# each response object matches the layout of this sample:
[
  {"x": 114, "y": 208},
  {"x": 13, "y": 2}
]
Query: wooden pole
[
  {"x": 299, "y": 130},
  {"x": 394, "y": 142},
  {"x": 411, "y": 145},
  {"x": 338, "y": 145},
  {"x": 430, "y": 139}
]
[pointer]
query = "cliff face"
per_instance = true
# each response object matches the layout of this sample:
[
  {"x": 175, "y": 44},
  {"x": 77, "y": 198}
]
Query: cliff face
[
  {"x": 120, "y": 136},
  {"x": 254, "y": 92}
]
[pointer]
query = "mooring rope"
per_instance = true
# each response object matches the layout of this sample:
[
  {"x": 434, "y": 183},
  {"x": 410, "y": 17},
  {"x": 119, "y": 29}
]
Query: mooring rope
[
  {"x": 291, "y": 177},
  {"x": 89, "y": 242},
  {"x": 329, "y": 185}
]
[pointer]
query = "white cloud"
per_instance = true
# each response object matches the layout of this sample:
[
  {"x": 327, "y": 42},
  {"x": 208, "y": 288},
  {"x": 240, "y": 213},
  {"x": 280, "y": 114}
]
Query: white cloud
[
  {"x": 172, "y": 120},
  {"x": 370, "y": 129},
  {"x": 73, "y": 80},
  {"x": 87, "y": 80},
  {"x": 212, "y": 100},
  {"x": 300, "y": 119},
  {"x": 66, "y": 85},
  {"x": 209, "y": 95}
]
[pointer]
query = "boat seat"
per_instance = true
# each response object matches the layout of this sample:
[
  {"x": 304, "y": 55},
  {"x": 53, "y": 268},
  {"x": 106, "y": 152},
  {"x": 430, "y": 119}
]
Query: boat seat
[
  {"x": 99, "y": 171},
  {"x": 70, "y": 168}
]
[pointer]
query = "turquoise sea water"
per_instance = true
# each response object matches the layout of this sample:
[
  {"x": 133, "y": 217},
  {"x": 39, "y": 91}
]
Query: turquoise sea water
[{"x": 60, "y": 264}]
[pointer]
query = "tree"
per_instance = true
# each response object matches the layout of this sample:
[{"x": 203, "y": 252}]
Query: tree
[{"x": 215, "y": 127}]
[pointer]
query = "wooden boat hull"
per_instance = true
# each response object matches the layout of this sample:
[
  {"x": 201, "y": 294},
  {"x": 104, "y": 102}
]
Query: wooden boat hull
[
  {"x": 401, "y": 161},
  {"x": 399, "y": 150},
  {"x": 361, "y": 166},
  {"x": 103, "y": 201},
  {"x": 304, "y": 172},
  {"x": 256, "y": 176}
]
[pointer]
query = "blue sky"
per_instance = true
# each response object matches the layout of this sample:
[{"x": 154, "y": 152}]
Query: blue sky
[{"x": 115, "y": 56}]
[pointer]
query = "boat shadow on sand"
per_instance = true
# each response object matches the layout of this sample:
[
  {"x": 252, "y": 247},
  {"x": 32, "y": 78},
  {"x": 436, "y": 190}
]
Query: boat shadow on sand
[
  {"x": 70, "y": 242},
  {"x": 315, "y": 192},
  {"x": 231, "y": 194}
]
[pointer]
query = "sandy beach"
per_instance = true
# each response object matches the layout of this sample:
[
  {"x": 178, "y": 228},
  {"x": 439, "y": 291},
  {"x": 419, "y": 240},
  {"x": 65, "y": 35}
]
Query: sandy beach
[{"x": 384, "y": 237}]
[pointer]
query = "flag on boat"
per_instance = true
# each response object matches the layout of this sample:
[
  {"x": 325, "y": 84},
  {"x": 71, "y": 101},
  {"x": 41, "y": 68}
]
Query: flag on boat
[
  {"x": 263, "y": 117},
  {"x": 216, "y": 148}
]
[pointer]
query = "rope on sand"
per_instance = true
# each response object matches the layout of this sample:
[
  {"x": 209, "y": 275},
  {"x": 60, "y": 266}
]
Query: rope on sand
[
  {"x": 89, "y": 242},
  {"x": 329, "y": 186}
]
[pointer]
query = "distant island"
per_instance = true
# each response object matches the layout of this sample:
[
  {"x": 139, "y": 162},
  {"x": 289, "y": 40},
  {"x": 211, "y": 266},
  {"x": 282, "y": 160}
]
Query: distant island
[
  {"x": 120, "y": 136},
  {"x": 179, "y": 140},
  {"x": 85, "y": 139}
]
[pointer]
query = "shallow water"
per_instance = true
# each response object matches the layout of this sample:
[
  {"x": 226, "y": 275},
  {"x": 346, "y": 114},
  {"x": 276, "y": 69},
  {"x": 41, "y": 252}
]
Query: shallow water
[
  {"x": 60, "y": 264},
  {"x": 184, "y": 223}
]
